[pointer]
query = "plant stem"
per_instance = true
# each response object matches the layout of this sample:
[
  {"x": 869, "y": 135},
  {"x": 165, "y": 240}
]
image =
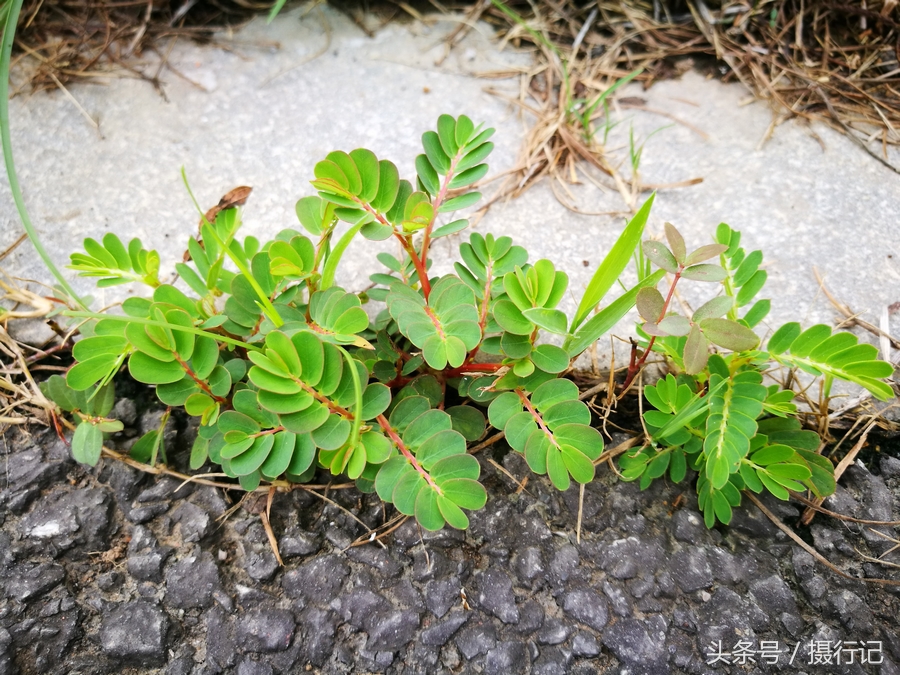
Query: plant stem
[
  {"x": 537, "y": 417},
  {"x": 267, "y": 305},
  {"x": 635, "y": 367},
  {"x": 417, "y": 262},
  {"x": 436, "y": 204},
  {"x": 163, "y": 324},
  {"x": 200, "y": 383},
  {"x": 483, "y": 312},
  {"x": 398, "y": 442},
  {"x": 473, "y": 368},
  {"x": 9, "y": 32}
]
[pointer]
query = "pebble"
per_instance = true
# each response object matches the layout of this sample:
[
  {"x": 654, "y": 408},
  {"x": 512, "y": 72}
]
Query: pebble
[
  {"x": 391, "y": 629},
  {"x": 691, "y": 570},
  {"x": 438, "y": 634},
  {"x": 317, "y": 629},
  {"x": 507, "y": 657},
  {"x": 441, "y": 595},
  {"x": 587, "y": 606},
  {"x": 31, "y": 580},
  {"x": 265, "y": 630},
  {"x": 477, "y": 637},
  {"x": 192, "y": 581},
  {"x": 317, "y": 580},
  {"x": 773, "y": 594},
  {"x": 65, "y": 518},
  {"x": 135, "y": 632},
  {"x": 496, "y": 595},
  {"x": 296, "y": 543}
]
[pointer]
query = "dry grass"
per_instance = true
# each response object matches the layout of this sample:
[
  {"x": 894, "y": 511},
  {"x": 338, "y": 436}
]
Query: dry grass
[
  {"x": 82, "y": 39},
  {"x": 831, "y": 61}
]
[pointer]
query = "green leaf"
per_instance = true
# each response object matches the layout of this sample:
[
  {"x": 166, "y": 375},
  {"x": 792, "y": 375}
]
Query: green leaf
[
  {"x": 367, "y": 165},
  {"x": 782, "y": 339},
  {"x": 87, "y": 373},
  {"x": 749, "y": 290},
  {"x": 467, "y": 420},
  {"x": 376, "y": 399},
  {"x": 87, "y": 444},
  {"x": 446, "y": 129},
  {"x": 428, "y": 177},
  {"x": 148, "y": 370},
  {"x": 550, "y": 358},
  {"x": 511, "y": 318},
  {"x": 450, "y": 228},
  {"x": 197, "y": 404},
  {"x": 614, "y": 263},
  {"x": 577, "y": 464},
  {"x": 705, "y": 253},
  {"x": 250, "y": 460},
  {"x": 103, "y": 345},
  {"x": 713, "y": 309},
  {"x": 817, "y": 351},
  {"x": 605, "y": 319},
  {"x": 465, "y": 492},
  {"x": 205, "y": 357},
  {"x": 388, "y": 186},
  {"x": 461, "y": 202},
  {"x": 428, "y": 514},
  {"x": 452, "y": 513},
  {"x": 332, "y": 433},
  {"x": 675, "y": 324},
  {"x": 557, "y": 470},
  {"x": 676, "y": 242},
  {"x": 177, "y": 393},
  {"x": 304, "y": 454},
  {"x": 431, "y": 142},
  {"x": 468, "y": 177},
  {"x": 407, "y": 491},
  {"x": 551, "y": 320}
]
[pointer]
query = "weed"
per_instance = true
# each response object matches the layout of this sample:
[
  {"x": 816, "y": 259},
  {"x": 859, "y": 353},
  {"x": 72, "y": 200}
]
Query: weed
[{"x": 289, "y": 375}]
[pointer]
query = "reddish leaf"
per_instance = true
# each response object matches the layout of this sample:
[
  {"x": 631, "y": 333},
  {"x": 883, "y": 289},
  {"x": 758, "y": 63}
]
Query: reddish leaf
[
  {"x": 650, "y": 303},
  {"x": 714, "y": 308},
  {"x": 705, "y": 253},
  {"x": 704, "y": 272},
  {"x": 676, "y": 242},
  {"x": 729, "y": 334},
  {"x": 675, "y": 325},
  {"x": 659, "y": 254}
]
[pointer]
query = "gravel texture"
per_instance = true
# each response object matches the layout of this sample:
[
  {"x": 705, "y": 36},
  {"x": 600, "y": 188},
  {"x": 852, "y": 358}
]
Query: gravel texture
[{"x": 114, "y": 571}]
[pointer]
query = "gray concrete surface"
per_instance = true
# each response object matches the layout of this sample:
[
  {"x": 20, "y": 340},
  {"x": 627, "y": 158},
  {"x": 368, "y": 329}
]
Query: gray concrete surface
[{"x": 264, "y": 110}]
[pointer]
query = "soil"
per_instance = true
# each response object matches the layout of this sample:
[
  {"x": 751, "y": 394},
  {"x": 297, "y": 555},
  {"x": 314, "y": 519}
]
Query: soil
[{"x": 111, "y": 570}]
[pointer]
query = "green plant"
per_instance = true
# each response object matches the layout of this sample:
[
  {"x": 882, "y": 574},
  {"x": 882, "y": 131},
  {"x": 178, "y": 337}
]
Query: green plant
[
  {"x": 288, "y": 374},
  {"x": 713, "y": 413}
]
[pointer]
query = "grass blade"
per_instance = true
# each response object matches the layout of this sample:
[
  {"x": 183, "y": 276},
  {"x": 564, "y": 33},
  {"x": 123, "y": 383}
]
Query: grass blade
[
  {"x": 9, "y": 30},
  {"x": 614, "y": 263}
]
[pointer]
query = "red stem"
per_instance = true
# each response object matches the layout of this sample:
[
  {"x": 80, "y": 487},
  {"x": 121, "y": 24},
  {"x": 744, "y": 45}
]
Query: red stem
[
  {"x": 438, "y": 200},
  {"x": 389, "y": 430},
  {"x": 200, "y": 383},
  {"x": 473, "y": 368},
  {"x": 537, "y": 417},
  {"x": 482, "y": 318},
  {"x": 419, "y": 263},
  {"x": 634, "y": 368}
]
